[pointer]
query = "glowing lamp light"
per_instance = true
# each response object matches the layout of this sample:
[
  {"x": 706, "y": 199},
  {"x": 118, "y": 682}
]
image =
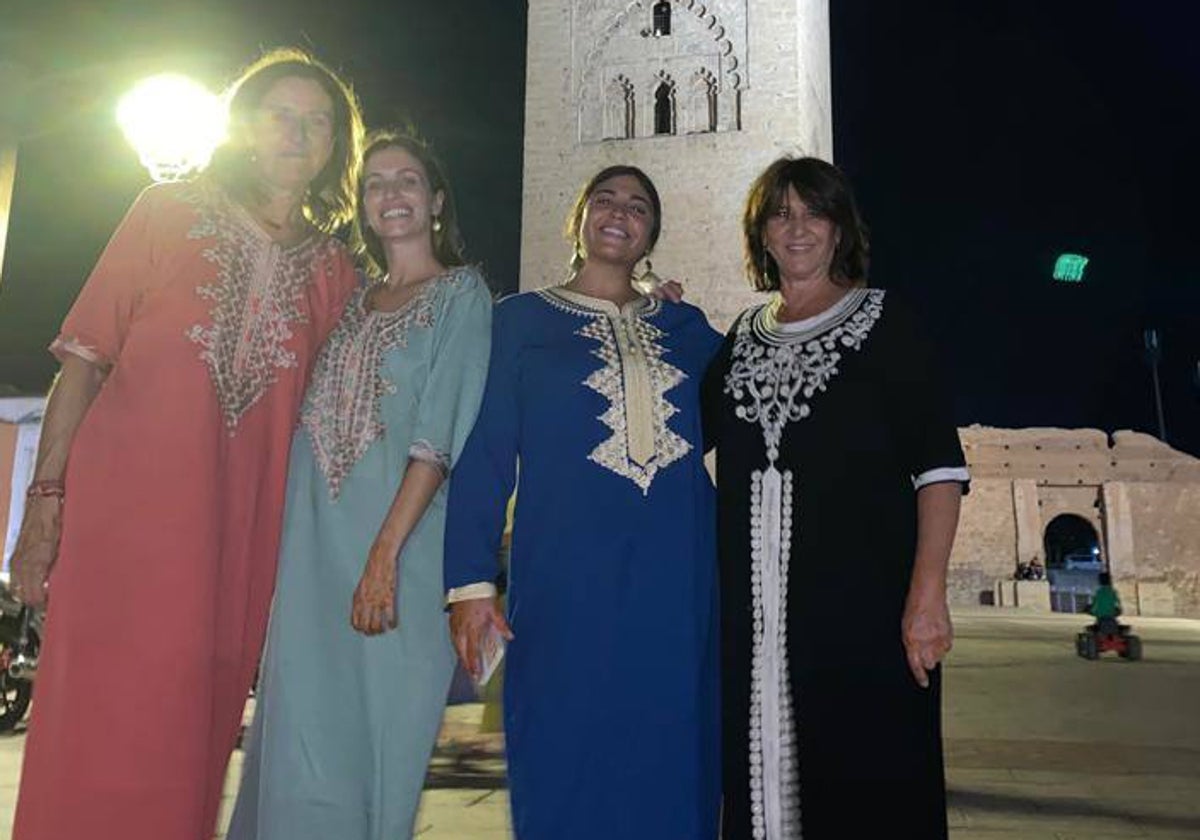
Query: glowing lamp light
[
  {"x": 173, "y": 123},
  {"x": 1069, "y": 268}
]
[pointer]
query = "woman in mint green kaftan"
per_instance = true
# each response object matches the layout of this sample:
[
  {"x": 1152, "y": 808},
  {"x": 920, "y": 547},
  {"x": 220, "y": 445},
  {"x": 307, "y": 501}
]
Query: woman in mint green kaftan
[{"x": 345, "y": 722}]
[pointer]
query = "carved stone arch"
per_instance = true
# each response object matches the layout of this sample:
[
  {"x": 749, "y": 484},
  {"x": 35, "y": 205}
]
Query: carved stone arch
[
  {"x": 700, "y": 104},
  {"x": 619, "y": 108},
  {"x": 721, "y": 38},
  {"x": 663, "y": 101}
]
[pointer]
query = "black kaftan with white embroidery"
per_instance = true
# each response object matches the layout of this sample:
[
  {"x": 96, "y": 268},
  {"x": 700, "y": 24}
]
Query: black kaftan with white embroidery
[{"x": 824, "y": 429}]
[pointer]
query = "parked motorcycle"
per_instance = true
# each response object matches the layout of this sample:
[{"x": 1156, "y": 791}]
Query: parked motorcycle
[{"x": 20, "y": 644}]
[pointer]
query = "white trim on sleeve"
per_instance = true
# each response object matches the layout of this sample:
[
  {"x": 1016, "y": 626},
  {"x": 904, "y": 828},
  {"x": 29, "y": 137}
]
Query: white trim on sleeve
[
  {"x": 471, "y": 592},
  {"x": 941, "y": 474}
]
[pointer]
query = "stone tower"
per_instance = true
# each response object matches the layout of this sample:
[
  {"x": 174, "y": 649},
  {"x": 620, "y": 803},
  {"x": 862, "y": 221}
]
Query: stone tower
[{"x": 702, "y": 94}]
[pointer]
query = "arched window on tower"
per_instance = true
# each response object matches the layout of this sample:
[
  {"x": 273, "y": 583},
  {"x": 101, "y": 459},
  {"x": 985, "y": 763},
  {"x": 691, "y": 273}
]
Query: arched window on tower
[
  {"x": 662, "y": 18},
  {"x": 700, "y": 112},
  {"x": 664, "y": 107},
  {"x": 618, "y": 109}
]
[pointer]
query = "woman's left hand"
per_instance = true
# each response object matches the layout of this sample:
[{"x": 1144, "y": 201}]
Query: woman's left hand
[
  {"x": 671, "y": 290},
  {"x": 373, "y": 610},
  {"x": 927, "y": 634}
]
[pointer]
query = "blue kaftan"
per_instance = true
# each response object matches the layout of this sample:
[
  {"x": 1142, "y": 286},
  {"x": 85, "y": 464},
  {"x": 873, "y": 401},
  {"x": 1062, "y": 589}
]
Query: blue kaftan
[
  {"x": 611, "y": 704},
  {"x": 345, "y": 723}
]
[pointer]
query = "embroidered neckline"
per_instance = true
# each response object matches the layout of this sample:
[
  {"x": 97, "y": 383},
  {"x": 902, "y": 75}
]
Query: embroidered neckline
[
  {"x": 634, "y": 379},
  {"x": 255, "y": 228},
  {"x": 578, "y": 303},
  {"x": 768, "y": 326},
  {"x": 431, "y": 285},
  {"x": 257, "y": 298},
  {"x": 343, "y": 410},
  {"x": 774, "y": 376}
]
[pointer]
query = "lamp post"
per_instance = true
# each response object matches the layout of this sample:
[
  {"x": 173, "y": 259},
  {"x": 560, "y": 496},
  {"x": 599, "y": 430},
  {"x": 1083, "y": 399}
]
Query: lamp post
[{"x": 173, "y": 123}]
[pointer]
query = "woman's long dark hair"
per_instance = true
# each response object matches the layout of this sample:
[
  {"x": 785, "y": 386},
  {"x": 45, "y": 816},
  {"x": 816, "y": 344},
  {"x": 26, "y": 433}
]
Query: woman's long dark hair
[
  {"x": 826, "y": 192},
  {"x": 448, "y": 246},
  {"x": 575, "y": 218},
  {"x": 330, "y": 202}
]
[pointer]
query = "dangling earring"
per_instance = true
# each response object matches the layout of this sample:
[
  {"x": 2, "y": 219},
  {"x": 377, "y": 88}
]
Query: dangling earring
[
  {"x": 648, "y": 278},
  {"x": 437, "y": 225}
]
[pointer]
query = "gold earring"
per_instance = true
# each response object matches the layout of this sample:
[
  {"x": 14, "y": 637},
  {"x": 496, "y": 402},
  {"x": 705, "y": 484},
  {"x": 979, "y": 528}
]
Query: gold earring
[{"x": 648, "y": 278}]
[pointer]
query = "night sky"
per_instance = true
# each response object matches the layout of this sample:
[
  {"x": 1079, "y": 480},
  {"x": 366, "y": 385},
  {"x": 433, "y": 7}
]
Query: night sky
[{"x": 983, "y": 140}]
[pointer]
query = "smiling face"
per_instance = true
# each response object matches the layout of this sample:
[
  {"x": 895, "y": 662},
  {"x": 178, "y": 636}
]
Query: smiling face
[
  {"x": 800, "y": 241},
  {"x": 397, "y": 198},
  {"x": 290, "y": 133},
  {"x": 618, "y": 218}
]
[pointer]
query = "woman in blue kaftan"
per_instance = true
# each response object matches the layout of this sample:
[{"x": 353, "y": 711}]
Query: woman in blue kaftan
[
  {"x": 346, "y": 721},
  {"x": 611, "y": 704}
]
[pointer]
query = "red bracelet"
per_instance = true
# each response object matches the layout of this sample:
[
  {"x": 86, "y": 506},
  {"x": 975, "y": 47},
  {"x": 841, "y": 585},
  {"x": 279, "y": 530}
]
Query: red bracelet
[{"x": 46, "y": 489}]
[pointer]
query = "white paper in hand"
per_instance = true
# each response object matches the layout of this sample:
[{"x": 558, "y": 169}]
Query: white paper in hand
[{"x": 491, "y": 651}]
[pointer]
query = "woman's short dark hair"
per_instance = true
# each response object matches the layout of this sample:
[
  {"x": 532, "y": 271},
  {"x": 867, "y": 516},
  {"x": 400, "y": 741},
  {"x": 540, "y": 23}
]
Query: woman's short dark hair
[
  {"x": 575, "y": 217},
  {"x": 329, "y": 203},
  {"x": 827, "y": 192},
  {"x": 448, "y": 246}
]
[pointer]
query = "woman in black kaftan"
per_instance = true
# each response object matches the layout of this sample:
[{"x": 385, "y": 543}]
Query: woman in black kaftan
[{"x": 838, "y": 474}]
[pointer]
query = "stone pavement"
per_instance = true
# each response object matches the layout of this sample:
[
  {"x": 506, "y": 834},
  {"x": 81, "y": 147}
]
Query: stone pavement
[{"x": 1040, "y": 745}]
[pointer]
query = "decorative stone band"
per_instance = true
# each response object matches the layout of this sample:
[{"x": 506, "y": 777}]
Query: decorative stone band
[{"x": 940, "y": 474}]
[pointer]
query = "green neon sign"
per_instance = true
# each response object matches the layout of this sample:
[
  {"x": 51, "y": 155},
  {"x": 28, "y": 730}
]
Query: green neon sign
[{"x": 1069, "y": 267}]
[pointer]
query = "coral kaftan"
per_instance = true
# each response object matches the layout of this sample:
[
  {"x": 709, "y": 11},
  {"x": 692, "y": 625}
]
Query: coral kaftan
[{"x": 160, "y": 595}]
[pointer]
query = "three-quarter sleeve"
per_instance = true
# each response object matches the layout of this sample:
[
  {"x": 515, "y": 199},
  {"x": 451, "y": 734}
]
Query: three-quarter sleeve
[
  {"x": 920, "y": 402},
  {"x": 449, "y": 402},
  {"x": 96, "y": 326},
  {"x": 485, "y": 473}
]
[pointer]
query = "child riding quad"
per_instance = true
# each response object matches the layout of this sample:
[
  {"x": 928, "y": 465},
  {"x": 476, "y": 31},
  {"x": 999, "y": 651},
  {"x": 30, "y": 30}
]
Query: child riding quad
[{"x": 1107, "y": 633}]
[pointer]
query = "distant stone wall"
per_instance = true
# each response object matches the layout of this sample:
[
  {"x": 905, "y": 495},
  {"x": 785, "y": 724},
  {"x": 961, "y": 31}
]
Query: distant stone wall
[
  {"x": 1166, "y": 539},
  {"x": 985, "y": 548},
  {"x": 1141, "y": 496}
]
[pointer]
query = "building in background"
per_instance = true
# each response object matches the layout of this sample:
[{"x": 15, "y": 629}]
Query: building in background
[
  {"x": 701, "y": 95},
  {"x": 20, "y": 427},
  {"x": 1076, "y": 502}
]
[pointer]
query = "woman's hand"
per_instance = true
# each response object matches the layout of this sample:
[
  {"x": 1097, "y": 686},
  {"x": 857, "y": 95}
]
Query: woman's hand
[
  {"x": 36, "y": 549},
  {"x": 469, "y": 624},
  {"x": 927, "y": 634},
  {"x": 373, "y": 610},
  {"x": 671, "y": 290}
]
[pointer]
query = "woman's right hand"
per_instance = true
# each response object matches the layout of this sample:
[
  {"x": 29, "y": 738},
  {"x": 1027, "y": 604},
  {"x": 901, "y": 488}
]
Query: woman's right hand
[
  {"x": 469, "y": 622},
  {"x": 36, "y": 550}
]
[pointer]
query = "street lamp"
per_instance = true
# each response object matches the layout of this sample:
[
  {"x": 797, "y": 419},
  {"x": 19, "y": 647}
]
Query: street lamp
[{"x": 173, "y": 123}]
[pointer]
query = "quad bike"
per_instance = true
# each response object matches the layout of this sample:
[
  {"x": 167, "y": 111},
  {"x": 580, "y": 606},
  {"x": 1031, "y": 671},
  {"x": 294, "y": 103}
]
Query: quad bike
[{"x": 1106, "y": 635}]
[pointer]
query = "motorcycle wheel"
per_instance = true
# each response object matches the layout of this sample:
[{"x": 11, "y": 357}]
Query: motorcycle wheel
[{"x": 14, "y": 694}]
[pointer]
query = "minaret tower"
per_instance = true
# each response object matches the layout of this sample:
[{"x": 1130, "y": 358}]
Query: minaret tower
[{"x": 702, "y": 95}]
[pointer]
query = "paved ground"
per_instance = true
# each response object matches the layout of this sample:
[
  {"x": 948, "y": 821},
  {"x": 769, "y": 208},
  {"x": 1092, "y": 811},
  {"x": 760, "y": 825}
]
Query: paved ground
[{"x": 1040, "y": 745}]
